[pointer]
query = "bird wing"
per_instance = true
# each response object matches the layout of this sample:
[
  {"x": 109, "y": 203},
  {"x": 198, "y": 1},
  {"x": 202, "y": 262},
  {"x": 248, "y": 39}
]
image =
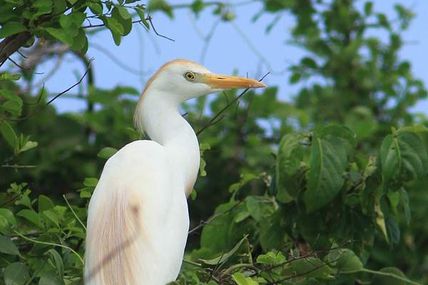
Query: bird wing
[{"x": 124, "y": 214}]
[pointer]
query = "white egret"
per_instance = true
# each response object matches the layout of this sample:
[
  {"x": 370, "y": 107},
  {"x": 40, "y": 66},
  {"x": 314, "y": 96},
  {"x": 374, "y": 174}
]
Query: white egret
[{"x": 138, "y": 218}]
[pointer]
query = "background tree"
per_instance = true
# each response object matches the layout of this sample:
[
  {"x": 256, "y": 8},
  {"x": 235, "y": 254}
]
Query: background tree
[{"x": 329, "y": 189}]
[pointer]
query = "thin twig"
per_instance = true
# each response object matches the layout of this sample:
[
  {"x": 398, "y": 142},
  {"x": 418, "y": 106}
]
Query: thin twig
[
  {"x": 215, "y": 119},
  {"x": 212, "y": 218},
  {"x": 91, "y": 26},
  {"x": 15, "y": 63},
  {"x": 117, "y": 61},
  {"x": 72, "y": 86},
  {"x": 18, "y": 166},
  {"x": 21, "y": 54},
  {"x": 74, "y": 213},
  {"x": 50, "y": 243},
  {"x": 149, "y": 19}
]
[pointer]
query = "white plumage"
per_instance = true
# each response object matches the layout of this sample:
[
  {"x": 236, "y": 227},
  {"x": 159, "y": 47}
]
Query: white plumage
[{"x": 138, "y": 218}]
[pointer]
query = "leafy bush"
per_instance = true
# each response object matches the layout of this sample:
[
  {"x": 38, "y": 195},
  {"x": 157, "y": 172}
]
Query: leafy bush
[{"x": 328, "y": 190}]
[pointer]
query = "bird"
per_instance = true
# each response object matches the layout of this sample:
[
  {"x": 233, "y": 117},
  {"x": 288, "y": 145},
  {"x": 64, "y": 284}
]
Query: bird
[{"x": 138, "y": 217}]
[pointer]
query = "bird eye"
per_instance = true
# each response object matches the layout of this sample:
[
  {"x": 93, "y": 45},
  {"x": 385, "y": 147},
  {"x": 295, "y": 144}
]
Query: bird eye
[{"x": 190, "y": 76}]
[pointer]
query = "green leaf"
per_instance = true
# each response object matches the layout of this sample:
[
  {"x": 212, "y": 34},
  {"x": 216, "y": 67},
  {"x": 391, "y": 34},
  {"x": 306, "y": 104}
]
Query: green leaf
[
  {"x": 28, "y": 145},
  {"x": 389, "y": 280},
  {"x": 271, "y": 258},
  {"x": 197, "y": 6},
  {"x": 226, "y": 256},
  {"x": 51, "y": 216},
  {"x": 380, "y": 219},
  {"x": 245, "y": 178},
  {"x": 309, "y": 62},
  {"x": 106, "y": 152},
  {"x": 60, "y": 35},
  {"x": 140, "y": 11},
  {"x": 8, "y": 219},
  {"x": 95, "y": 8},
  {"x": 403, "y": 156},
  {"x": 241, "y": 216},
  {"x": 393, "y": 230},
  {"x": 344, "y": 260},
  {"x": 85, "y": 192},
  {"x": 115, "y": 28},
  {"x": 390, "y": 157},
  {"x": 368, "y": 8},
  {"x": 161, "y": 5},
  {"x": 72, "y": 22},
  {"x": 310, "y": 267},
  {"x": 361, "y": 120},
  {"x": 30, "y": 216},
  {"x": 50, "y": 278},
  {"x": 90, "y": 182},
  {"x": 329, "y": 158},
  {"x": 259, "y": 207},
  {"x": 295, "y": 77},
  {"x": 290, "y": 166},
  {"x": 56, "y": 259},
  {"x": 7, "y": 246},
  {"x": 42, "y": 7},
  {"x": 44, "y": 203},
  {"x": 347, "y": 261},
  {"x": 123, "y": 17},
  {"x": 14, "y": 107},
  {"x": 11, "y": 28},
  {"x": 10, "y": 76},
  {"x": 80, "y": 41},
  {"x": 16, "y": 274},
  {"x": 404, "y": 200},
  {"x": 241, "y": 279},
  {"x": 8, "y": 134},
  {"x": 123, "y": 12}
]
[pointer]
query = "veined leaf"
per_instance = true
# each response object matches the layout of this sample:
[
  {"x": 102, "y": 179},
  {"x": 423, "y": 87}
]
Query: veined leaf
[
  {"x": 403, "y": 156},
  {"x": 115, "y": 28},
  {"x": 30, "y": 216},
  {"x": 329, "y": 158},
  {"x": 290, "y": 166},
  {"x": 8, "y": 134},
  {"x": 345, "y": 260}
]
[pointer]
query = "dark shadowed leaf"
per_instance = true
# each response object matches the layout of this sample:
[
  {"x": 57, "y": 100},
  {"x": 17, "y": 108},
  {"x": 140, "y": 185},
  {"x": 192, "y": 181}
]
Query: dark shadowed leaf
[
  {"x": 16, "y": 274},
  {"x": 7, "y": 246}
]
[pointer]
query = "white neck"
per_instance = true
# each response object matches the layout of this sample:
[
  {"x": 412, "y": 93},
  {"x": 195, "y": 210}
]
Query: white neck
[{"x": 159, "y": 117}]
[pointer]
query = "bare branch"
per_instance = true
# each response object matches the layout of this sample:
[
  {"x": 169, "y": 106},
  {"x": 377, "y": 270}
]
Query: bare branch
[
  {"x": 149, "y": 19},
  {"x": 72, "y": 86}
]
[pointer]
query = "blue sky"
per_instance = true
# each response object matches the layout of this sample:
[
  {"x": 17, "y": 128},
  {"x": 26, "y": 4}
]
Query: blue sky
[{"x": 241, "y": 46}]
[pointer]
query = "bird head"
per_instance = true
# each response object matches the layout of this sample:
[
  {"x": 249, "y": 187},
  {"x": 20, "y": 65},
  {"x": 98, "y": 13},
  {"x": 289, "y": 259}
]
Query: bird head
[{"x": 189, "y": 80}]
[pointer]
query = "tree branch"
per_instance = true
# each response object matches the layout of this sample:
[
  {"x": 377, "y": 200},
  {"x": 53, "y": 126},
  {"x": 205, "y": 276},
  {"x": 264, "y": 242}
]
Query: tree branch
[
  {"x": 72, "y": 86},
  {"x": 11, "y": 44}
]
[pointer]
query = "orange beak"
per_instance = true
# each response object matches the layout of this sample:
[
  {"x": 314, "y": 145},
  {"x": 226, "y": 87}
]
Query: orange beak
[{"x": 217, "y": 81}]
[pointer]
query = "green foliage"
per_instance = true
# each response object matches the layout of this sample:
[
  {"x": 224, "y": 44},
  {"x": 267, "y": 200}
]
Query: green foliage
[{"x": 329, "y": 189}]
